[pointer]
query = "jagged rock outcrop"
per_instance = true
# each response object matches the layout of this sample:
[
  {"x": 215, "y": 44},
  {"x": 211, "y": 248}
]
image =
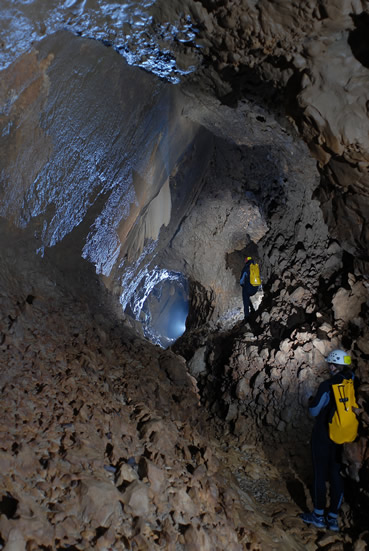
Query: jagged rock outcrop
[{"x": 310, "y": 61}]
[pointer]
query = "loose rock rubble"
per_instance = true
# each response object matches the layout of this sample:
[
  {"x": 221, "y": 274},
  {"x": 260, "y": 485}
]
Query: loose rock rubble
[{"x": 104, "y": 443}]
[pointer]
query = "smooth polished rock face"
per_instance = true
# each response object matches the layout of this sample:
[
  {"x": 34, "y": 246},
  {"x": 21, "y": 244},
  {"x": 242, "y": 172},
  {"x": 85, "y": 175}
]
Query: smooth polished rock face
[
  {"x": 90, "y": 148},
  {"x": 103, "y": 135}
]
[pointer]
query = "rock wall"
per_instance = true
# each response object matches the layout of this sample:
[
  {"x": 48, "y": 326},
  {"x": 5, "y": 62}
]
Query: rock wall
[
  {"x": 308, "y": 60},
  {"x": 92, "y": 141}
]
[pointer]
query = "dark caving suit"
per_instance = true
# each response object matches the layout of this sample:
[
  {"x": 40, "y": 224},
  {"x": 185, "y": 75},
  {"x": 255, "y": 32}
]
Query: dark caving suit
[
  {"x": 326, "y": 454},
  {"x": 248, "y": 290}
]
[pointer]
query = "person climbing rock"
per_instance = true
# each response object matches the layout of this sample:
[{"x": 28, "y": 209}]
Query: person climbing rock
[
  {"x": 250, "y": 283},
  {"x": 326, "y": 454}
]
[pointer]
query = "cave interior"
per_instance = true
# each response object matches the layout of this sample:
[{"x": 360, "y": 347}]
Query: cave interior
[{"x": 139, "y": 410}]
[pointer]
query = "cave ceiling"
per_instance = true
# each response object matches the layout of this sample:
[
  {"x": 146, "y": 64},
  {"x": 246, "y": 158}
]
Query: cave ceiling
[
  {"x": 260, "y": 138},
  {"x": 286, "y": 70}
]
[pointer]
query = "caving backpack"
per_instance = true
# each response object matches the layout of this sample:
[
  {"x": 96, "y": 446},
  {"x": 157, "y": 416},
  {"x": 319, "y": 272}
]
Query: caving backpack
[
  {"x": 254, "y": 275},
  {"x": 344, "y": 425}
]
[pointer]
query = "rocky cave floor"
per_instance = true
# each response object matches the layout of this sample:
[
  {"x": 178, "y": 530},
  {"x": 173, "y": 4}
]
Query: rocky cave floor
[{"x": 105, "y": 443}]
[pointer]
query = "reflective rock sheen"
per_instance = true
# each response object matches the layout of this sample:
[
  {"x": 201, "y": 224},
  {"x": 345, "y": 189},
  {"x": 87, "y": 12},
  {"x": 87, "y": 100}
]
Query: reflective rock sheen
[{"x": 131, "y": 28}]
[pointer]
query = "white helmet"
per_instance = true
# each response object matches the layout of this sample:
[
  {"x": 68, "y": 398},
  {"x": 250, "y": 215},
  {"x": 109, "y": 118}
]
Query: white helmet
[{"x": 338, "y": 357}]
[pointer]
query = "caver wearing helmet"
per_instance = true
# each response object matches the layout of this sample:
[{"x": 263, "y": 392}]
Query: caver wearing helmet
[
  {"x": 249, "y": 288},
  {"x": 338, "y": 357},
  {"x": 326, "y": 454}
]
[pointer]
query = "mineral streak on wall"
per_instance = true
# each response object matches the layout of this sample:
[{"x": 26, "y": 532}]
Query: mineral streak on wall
[{"x": 86, "y": 138}]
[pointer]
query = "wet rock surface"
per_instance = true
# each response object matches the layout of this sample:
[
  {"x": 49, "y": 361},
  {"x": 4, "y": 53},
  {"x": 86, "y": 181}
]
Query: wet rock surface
[
  {"x": 142, "y": 162},
  {"x": 306, "y": 62}
]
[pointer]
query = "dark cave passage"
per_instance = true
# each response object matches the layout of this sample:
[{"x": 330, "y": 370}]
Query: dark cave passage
[{"x": 161, "y": 305}]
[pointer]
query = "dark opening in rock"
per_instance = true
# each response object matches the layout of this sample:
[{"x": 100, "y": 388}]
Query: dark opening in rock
[
  {"x": 161, "y": 304},
  {"x": 167, "y": 309},
  {"x": 8, "y": 506},
  {"x": 358, "y": 38}
]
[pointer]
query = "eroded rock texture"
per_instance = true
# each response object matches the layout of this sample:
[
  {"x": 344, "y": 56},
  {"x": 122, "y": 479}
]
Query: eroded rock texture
[
  {"x": 308, "y": 59},
  {"x": 104, "y": 443}
]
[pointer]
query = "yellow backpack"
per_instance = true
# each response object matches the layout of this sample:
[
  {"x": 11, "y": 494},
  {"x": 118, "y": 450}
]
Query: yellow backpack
[
  {"x": 255, "y": 274},
  {"x": 344, "y": 425}
]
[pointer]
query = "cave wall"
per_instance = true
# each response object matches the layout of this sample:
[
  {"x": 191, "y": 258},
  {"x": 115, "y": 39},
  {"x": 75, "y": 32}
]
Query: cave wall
[
  {"x": 261, "y": 53},
  {"x": 309, "y": 61},
  {"x": 88, "y": 139},
  {"x": 251, "y": 177},
  {"x": 117, "y": 166}
]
